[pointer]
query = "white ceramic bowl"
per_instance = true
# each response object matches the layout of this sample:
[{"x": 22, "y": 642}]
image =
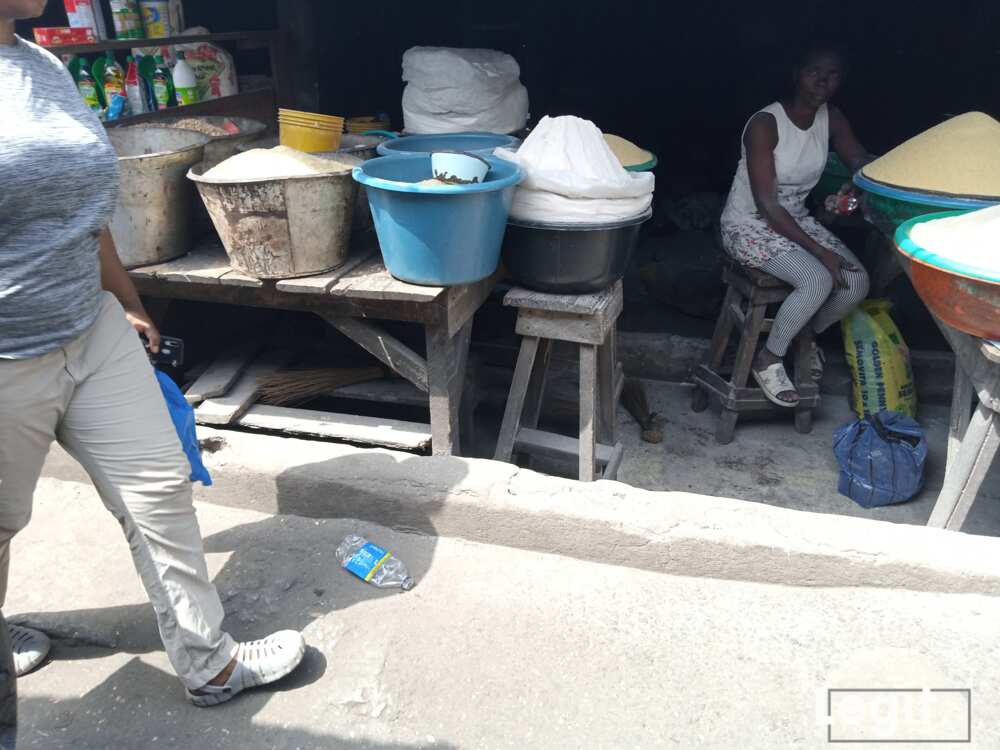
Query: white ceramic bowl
[{"x": 459, "y": 167}]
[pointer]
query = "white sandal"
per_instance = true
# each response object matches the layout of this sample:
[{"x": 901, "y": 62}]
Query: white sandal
[
  {"x": 257, "y": 663},
  {"x": 29, "y": 646},
  {"x": 774, "y": 380}
]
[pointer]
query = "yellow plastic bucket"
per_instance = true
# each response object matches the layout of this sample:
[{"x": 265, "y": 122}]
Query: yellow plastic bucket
[
  {"x": 308, "y": 131},
  {"x": 308, "y": 138}
]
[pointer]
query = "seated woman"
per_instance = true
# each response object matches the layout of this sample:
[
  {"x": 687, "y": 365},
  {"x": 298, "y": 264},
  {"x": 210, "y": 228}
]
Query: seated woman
[{"x": 766, "y": 225}]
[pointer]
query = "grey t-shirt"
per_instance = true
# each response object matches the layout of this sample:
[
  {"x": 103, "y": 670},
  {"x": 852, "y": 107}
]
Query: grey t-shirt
[{"x": 58, "y": 188}]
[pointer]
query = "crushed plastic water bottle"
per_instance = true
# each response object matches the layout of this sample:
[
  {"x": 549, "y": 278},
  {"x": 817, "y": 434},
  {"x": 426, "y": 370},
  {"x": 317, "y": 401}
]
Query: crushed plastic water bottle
[{"x": 372, "y": 564}]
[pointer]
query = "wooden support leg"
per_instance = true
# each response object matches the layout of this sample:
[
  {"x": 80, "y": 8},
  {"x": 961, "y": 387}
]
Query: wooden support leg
[
  {"x": 447, "y": 359},
  {"x": 972, "y": 461},
  {"x": 607, "y": 402},
  {"x": 752, "y": 325},
  {"x": 803, "y": 377},
  {"x": 523, "y": 375},
  {"x": 723, "y": 330},
  {"x": 588, "y": 412},
  {"x": 961, "y": 400}
]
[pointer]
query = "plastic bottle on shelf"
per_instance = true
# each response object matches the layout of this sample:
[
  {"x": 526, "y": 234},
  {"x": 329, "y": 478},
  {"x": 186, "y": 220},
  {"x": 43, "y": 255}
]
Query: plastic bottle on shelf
[
  {"x": 89, "y": 89},
  {"x": 133, "y": 89},
  {"x": 185, "y": 82},
  {"x": 372, "y": 564},
  {"x": 113, "y": 77},
  {"x": 163, "y": 85}
]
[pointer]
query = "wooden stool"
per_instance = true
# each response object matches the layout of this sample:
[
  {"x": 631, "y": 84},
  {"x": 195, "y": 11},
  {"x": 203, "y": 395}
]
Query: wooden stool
[
  {"x": 748, "y": 293},
  {"x": 588, "y": 320}
]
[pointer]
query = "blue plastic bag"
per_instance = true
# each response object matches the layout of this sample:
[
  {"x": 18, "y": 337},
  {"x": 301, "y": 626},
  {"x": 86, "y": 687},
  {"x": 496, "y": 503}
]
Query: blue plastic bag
[
  {"x": 183, "y": 416},
  {"x": 881, "y": 459}
]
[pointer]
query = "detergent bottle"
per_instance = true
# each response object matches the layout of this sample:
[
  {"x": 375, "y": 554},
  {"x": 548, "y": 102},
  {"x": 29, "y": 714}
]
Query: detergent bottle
[
  {"x": 89, "y": 89},
  {"x": 133, "y": 89},
  {"x": 163, "y": 85},
  {"x": 185, "y": 82},
  {"x": 112, "y": 76}
]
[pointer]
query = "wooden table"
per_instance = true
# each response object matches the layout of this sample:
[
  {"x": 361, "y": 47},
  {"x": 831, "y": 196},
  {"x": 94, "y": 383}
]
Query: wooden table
[
  {"x": 350, "y": 299},
  {"x": 973, "y": 441}
]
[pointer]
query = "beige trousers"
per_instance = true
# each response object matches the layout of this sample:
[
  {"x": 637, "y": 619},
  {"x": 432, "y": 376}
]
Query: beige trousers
[{"x": 99, "y": 398}]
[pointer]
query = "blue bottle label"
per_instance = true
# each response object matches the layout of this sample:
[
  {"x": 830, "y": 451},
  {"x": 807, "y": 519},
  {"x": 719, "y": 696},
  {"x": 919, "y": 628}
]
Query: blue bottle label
[{"x": 366, "y": 561}]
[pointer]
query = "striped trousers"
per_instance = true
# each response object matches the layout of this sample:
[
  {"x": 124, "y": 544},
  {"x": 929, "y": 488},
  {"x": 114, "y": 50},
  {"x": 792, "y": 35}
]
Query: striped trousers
[{"x": 814, "y": 299}]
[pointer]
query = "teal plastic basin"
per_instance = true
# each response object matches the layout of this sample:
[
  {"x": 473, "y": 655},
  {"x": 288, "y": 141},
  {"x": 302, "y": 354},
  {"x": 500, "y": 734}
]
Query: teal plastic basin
[{"x": 438, "y": 235}]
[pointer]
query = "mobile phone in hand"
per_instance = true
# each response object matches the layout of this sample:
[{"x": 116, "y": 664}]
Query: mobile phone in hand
[{"x": 171, "y": 352}]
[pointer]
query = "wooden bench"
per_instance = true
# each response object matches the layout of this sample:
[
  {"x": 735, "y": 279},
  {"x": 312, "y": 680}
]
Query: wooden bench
[
  {"x": 588, "y": 320},
  {"x": 352, "y": 299}
]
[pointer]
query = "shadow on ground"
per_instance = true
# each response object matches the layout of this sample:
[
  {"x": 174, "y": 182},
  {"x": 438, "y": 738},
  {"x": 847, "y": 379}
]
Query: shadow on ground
[{"x": 280, "y": 572}]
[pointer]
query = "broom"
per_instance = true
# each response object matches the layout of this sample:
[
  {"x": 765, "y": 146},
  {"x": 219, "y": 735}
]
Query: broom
[
  {"x": 635, "y": 402},
  {"x": 288, "y": 387}
]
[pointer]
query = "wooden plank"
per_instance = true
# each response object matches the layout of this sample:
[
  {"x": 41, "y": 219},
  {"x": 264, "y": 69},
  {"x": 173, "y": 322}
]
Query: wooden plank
[
  {"x": 384, "y": 391},
  {"x": 524, "y": 375},
  {"x": 463, "y": 302},
  {"x": 371, "y": 280},
  {"x": 206, "y": 263},
  {"x": 237, "y": 278},
  {"x": 447, "y": 361},
  {"x": 219, "y": 378},
  {"x": 579, "y": 329},
  {"x": 961, "y": 410},
  {"x": 400, "y": 358},
  {"x": 229, "y": 408},
  {"x": 552, "y": 445},
  {"x": 588, "y": 412},
  {"x": 614, "y": 463},
  {"x": 350, "y": 428},
  {"x": 963, "y": 480},
  {"x": 321, "y": 284},
  {"x": 574, "y": 304}
]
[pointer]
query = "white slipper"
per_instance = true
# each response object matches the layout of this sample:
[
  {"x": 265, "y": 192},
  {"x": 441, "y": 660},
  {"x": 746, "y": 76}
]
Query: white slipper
[
  {"x": 774, "y": 380},
  {"x": 257, "y": 663},
  {"x": 30, "y": 647}
]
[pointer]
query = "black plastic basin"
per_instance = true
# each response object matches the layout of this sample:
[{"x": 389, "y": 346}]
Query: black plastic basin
[{"x": 570, "y": 258}]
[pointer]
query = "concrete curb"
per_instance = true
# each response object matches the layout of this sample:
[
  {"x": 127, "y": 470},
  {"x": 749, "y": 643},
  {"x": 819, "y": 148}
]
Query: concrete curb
[{"x": 668, "y": 532}]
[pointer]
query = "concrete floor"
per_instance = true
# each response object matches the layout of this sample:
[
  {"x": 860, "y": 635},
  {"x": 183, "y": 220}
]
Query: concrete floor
[
  {"x": 770, "y": 462},
  {"x": 494, "y": 648}
]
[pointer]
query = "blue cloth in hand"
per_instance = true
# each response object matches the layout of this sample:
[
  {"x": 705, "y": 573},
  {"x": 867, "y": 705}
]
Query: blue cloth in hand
[{"x": 183, "y": 417}]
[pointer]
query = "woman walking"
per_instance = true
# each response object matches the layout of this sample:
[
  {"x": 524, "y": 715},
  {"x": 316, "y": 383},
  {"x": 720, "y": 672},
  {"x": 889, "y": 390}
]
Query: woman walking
[
  {"x": 766, "y": 224},
  {"x": 73, "y": 370}
]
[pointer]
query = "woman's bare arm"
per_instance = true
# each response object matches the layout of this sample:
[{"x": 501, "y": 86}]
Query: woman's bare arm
[{"x": 115, "y": 279}]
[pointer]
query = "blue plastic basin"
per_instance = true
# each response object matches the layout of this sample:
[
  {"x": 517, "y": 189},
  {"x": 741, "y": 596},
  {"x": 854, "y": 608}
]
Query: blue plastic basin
[
  {"x": 481, "y": 144},
  {"x": 438, "y": 235}
]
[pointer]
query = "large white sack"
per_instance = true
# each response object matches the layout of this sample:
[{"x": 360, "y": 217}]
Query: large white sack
[
  {"x": 569, "y": 156},
  {"x": 454, "y": 68},
  {"x": 429, "y": 114},
  {"x": 545, "y": 207}
]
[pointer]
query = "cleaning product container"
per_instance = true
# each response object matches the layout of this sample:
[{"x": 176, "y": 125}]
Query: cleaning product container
[
  {"x": 438, "y": 235},
  {"x": 570, "y": 258},
  {"x": 281, "y": 228},
  {"x": 155, "y": 216},
  {"x": 309, "y": 132},
  {"x": 481, "y": 144},
  {"x": 964, "y": 296}
]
